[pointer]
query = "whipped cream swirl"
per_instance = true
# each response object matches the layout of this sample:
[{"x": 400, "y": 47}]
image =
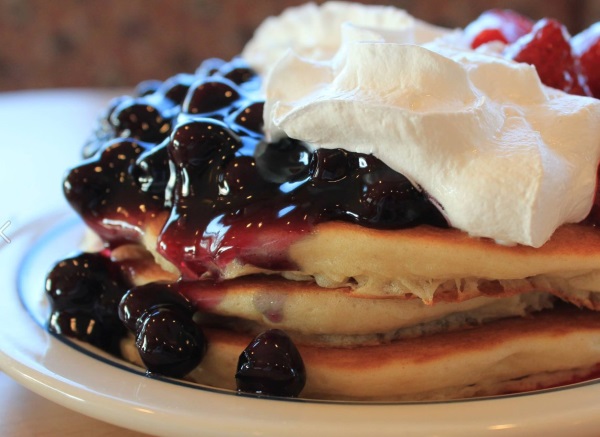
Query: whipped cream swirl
[{"x": 504, "y": 156}]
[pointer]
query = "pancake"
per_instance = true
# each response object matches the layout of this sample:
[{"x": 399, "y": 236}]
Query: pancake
[
  {"x": 433, "y": 264},
  {"x": 510, "y": 355},
  {"x": 304, "y": 309},
  {"x": 326, "y": 314},
  {"x": 394, "y": 348}
]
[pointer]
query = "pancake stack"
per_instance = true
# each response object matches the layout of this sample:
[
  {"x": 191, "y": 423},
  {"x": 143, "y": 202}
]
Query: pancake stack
[
  {"x": 417, "y": 314},
  {"x": 205, "y": 236}
]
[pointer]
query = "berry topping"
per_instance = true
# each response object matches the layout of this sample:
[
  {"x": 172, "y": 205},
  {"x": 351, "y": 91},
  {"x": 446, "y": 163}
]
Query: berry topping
[
  {"x": 586, "y": 45},
  {"x": 547, "y": 47},
  {"x": 151, "y": 171},
  {"x": 175, "y": 88},
  {"x": 167, "y": 338},
  {"x": 497, "y": 25},
  {"x": 367, "y": 192},
  {"x": 138, "y": 119},
  {"x": 250, "y": 118},
  {"x": 106, "y": 192},
  {"x": 231, "y": 195},
  {"x": 284, "y": 161},
  {"x": 271, "y": 365},
  {"x": 239, "y": 75},
  {"x": 333, "y": 165},
  {"x": 84, "y": 292},
  {"x": 139, "y": 301},
  {"x": 169, "y": 342},
  {"x": 210, "y": 96}
]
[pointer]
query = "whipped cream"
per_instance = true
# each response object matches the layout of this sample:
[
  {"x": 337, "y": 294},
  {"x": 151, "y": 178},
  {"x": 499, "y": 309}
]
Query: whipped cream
[
  {"x": 316, "y": 32},
  {"x": 504, "y": 156}
]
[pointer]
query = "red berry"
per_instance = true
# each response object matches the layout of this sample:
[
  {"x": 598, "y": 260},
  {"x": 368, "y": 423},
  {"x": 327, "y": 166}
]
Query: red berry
[
  {"x": 488, "y": 35},
  {"x": 547, "y": 48},
  {"x": 498, "y": 25},
  {"x": 586, "y": 45}
]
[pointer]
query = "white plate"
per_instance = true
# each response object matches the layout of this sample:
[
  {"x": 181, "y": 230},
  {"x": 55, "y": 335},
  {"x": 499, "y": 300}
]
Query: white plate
[{"x": 88, "y": 381}]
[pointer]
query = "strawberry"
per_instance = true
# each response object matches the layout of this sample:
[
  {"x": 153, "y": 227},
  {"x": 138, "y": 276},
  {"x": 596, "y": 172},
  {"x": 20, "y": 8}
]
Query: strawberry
[
  {"x": 497, "y": 25},
  {"x": 586, "y": 45},
  {"x": 547, "y": 47}
]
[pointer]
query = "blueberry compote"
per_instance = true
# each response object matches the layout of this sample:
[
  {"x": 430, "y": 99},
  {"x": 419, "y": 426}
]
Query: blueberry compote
[
  {"x": 193, "y": 146},
  {"x": 188, "y": 156}
]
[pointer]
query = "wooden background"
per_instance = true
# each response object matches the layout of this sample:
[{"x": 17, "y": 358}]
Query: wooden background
[{"x": 106, "y": 43}]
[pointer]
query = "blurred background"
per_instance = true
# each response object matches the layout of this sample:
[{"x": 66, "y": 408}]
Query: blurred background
[{"x": 114, "y": 43}]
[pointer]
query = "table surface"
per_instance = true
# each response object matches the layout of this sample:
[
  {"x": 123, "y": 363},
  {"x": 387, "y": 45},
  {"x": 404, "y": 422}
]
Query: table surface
[{"x": 24, "y": 413}]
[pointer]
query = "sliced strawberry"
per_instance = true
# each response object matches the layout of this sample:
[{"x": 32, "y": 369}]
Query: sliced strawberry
[
  {"x": 497, "y": 25},
  {"x": 547, "y": 48},
  {"x": 586, "y": 45}
]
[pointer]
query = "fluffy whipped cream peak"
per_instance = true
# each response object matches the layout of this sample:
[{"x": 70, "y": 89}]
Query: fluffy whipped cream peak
[
  {"x": 504, "y": 156},
  {"x": 316, "y": 32}
]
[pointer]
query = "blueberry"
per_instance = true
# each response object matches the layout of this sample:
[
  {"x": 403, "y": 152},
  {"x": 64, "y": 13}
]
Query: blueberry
[
  {"x": 140, "y": 119},
  {"x": 141, "y": 300},
  {"x": 151, "y": 169},
  {"x": 211, "y": 95},
  {"x": 240, "y": 73},
  {"x": 250, "y": 117},
  {"x": 286, "y": 160},
  {"x": 175, "y": 88},
  {"x": 84, "y": 292},
  {"x": 389, "y": 200},
  {"x": 105, "y": 191},
  {"x": 332, "y": 165},
  {"x": 169, "y": 342},
  {"x": 198, "y": 144},
  {"x": 271, "y": 365}
]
